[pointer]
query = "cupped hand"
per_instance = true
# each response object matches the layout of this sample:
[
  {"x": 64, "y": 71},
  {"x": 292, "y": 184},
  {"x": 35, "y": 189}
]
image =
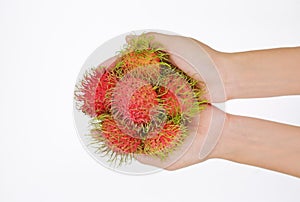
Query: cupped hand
[
  {"x": 196, "y": 59},
  {"x": 207, "y": 123}
]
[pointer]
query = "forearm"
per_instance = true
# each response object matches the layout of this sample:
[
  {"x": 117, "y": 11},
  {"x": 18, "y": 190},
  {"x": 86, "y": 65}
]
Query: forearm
[
  {"x": 261, "y": 73},
  {"x": 261, "y": 143}
]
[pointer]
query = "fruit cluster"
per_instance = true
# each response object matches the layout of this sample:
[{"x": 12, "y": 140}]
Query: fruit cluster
[{"x": 140, "y": 104}]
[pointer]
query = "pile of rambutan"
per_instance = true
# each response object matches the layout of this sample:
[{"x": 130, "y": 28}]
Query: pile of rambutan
[{"x": 140, "y": 104}]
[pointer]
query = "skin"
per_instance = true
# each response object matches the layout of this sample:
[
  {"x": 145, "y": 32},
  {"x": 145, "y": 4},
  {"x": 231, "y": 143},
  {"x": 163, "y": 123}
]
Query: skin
[{"x": 256, "y": 142}]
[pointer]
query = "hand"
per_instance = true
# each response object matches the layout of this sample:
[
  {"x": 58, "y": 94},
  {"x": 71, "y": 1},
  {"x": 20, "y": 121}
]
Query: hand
[
  {"x": 208, "y": 122},
  {"x": 257, "y": 142},
  {"x": 196, "y": 59}
]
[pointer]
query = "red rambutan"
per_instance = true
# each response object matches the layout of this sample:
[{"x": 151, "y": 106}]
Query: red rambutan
[
  {"x": 169, "y": 101},
  {"x": 114, "y": 138},
  {"x": 170, "y": 136},
  {"x": 133, "y": 99},
  {"x": 141, "y": 102},
  {"x": 139, "y": 58},
  {"x": 178, "y": 96},
  {"x": 93, "y": 93}
]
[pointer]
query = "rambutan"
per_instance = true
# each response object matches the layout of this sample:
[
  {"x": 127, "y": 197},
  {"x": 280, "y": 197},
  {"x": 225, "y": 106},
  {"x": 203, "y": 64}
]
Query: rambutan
[
  {"x": 165, "y": 141},
  {"x": 112, "y": 138},
  {"x": 139, "y": 54},
  {"x": 141, "y": 103},
  {"x": 169, "y": 101},
  {"x": 135, "y": 105},
  {"x": 93, "y": 92},
  {"x": 125, "y": 97},
  {"x": 141, "y": 58}
]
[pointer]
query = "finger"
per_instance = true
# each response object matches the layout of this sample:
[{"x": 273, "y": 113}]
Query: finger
[
  {"x": 130, "y": 37},
  {"x": 149, "y": 160},
  {"x": 157, "y": 42},
  {"x": 109, "y": 63},
  {"x": 152, "y": 161},
  {"x": 159, "y": 163}
]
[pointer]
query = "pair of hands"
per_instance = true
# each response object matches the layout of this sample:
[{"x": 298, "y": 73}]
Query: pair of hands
[
  {"x": 215, "y": 134},
  {"x": 198, "y": 61},
  {"x": 250, "y": 74}
]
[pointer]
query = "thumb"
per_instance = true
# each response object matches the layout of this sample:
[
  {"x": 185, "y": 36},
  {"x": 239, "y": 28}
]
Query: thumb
[
  {"x": 152, "y": 39},
  {"x": 130, "y": 37}
]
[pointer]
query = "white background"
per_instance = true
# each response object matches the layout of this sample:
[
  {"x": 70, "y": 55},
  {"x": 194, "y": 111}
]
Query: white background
[{"x": 43, "y": 45}]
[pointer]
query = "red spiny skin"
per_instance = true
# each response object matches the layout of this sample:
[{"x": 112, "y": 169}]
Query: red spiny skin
[
  {"x": 117, "y": 140},
  {"x": 177, "y": 96},
  {"x": 141, "y": 58},
  {"x": 94, "y": 93},
  {"x": 103, "y": 95},
  {"x": 169, "y": 101},
  {"x": 132, "y": 100},
  {"x": 144, "y": 98},
  {"x": 142, "y": 101},
  {"x": 165, "y": 139}
]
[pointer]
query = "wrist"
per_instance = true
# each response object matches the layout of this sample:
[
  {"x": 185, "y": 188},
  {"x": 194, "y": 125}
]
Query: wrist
[
  {"x": 231, "y": 143},
  {"x": 225, "y": 65}
]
